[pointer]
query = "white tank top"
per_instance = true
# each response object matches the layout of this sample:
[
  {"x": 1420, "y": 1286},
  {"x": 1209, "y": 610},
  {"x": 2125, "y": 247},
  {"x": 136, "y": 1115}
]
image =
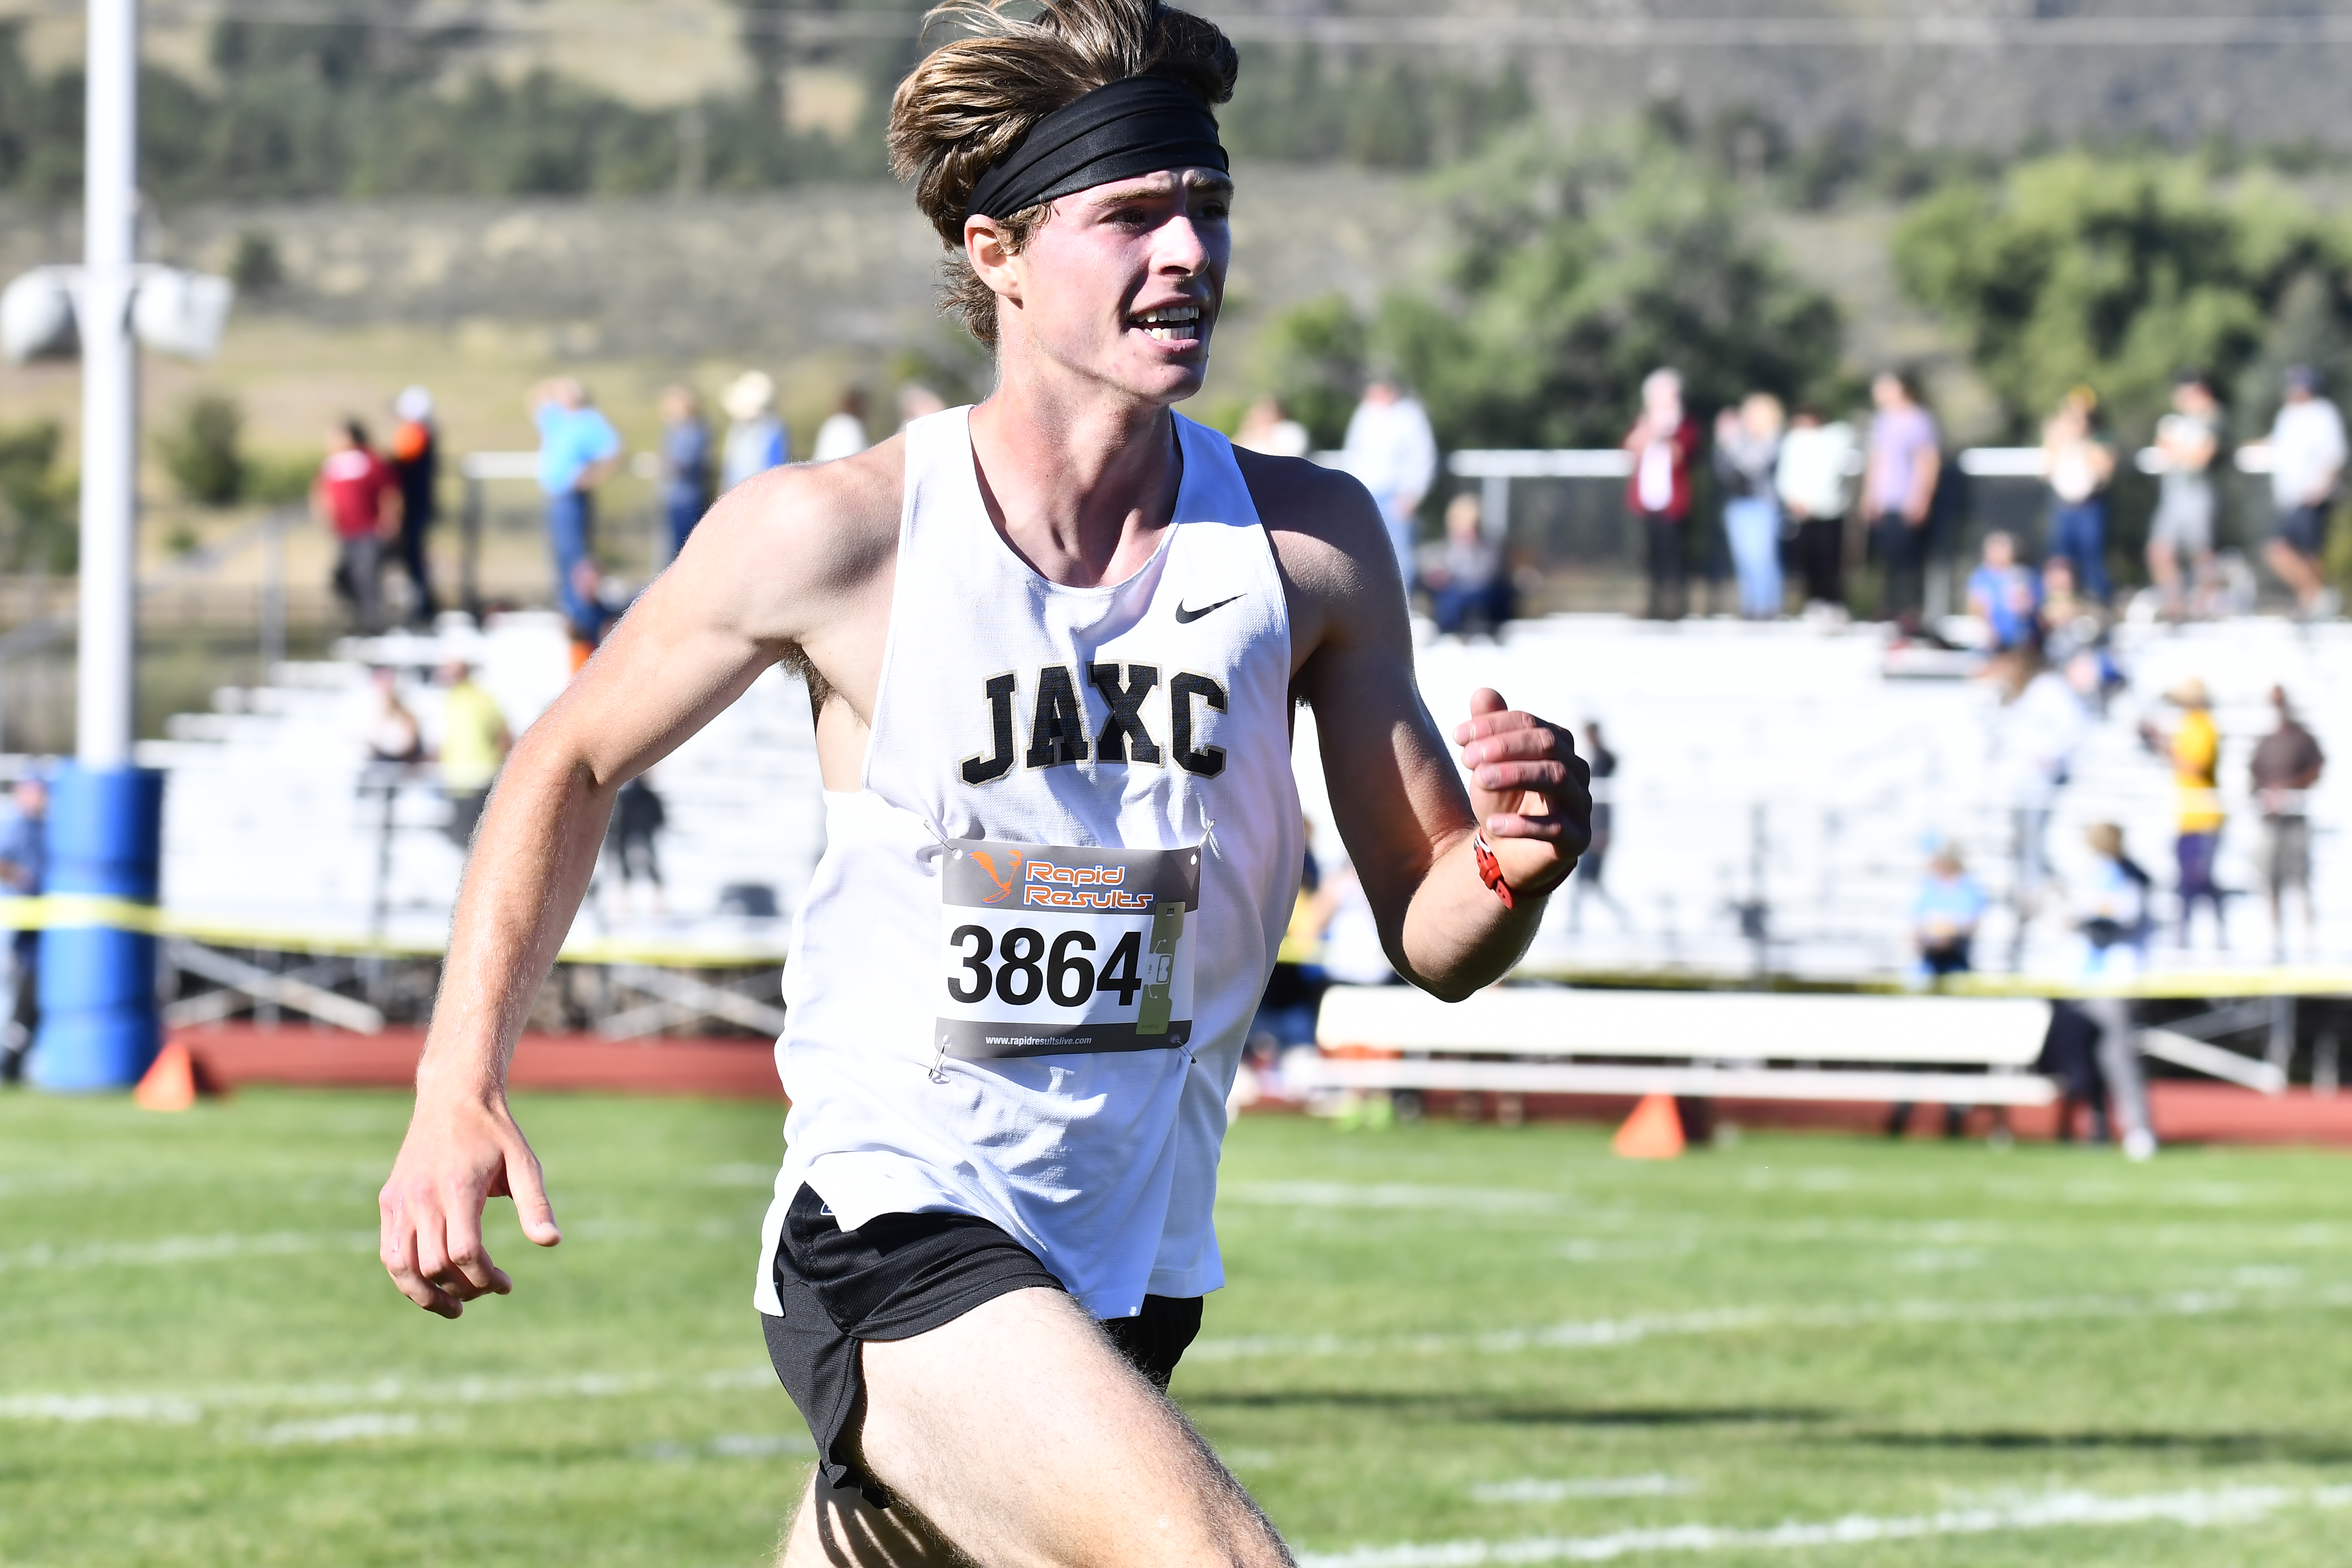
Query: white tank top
[{"x": 1021, "y": 982}]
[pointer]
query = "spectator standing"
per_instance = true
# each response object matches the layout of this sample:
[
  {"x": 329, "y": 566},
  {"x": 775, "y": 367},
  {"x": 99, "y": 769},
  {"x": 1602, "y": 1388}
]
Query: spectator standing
[
  {"x": 2042, "y": 721},
  {"x": 2113, "y": 920},
  {"x": 1592, "y": 866},
  {"x": 356, "y": 495},
  {"x": 578, "y": 450},
  {"x": 2180, "y": 535},
  {"x": 685, "y": 464},
  {"x": 1663, "y": 443},
  {"x": 2306, "y": 452},
  {"x": 2005, "y": 595},
  {"x": 2287, "y": 762},
  {"x": 1294, "y": 991},
  {"x": 1391, "y": 449},
  {"x": 2194, "y": 748},
  {"x": 2078, "y": 464},
  {"x": 23, "y": 874},
  {"x": 638, "y": 816},
  {"x": 756, "y": 438},
  {"x": 1267, "y": 428},
  {"x": 1898, "y": 491},
  {"x": 416, "y": 468},
  {"x": 474, "y": 745},
  {"x": 843, "y": 434},
  {"x": 1813, "y": 481},
  {"x": 1468, "y": 589},
  {"x": 1747, "y": 463}
]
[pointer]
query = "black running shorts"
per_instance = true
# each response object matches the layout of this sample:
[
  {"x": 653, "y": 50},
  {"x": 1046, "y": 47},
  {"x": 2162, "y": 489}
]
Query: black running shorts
[
  {"x": 2304, "y": 530},
  {"x": 897, "y": 1276}
]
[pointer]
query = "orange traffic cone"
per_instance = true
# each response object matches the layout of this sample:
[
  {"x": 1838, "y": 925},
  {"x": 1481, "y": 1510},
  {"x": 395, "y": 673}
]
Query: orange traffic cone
[
  {"x": 171, "y": 1083},
  {"x": 1654, "y": 1130}
]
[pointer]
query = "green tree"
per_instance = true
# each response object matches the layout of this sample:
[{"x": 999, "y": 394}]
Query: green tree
[
  {"x": 204, "y": 450},
  {"x": 2118, "y": 272},
  {"x": 38, "y": 530},
  {"x": 1580, "y": 268}
]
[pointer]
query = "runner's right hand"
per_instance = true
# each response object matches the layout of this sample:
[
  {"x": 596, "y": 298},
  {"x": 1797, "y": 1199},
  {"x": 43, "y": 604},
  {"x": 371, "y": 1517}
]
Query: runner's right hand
[{"x": 460, "y": 1150}]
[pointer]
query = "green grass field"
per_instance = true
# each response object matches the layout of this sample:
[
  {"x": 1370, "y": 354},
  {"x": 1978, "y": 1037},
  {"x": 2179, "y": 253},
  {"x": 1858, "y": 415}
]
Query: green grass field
[{"x": 1441, "y": 1346}]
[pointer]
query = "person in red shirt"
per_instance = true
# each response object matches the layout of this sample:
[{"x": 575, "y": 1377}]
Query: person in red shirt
[
  {"x": 358, "y": 496},
  {"x": 1662, "y": 444}
]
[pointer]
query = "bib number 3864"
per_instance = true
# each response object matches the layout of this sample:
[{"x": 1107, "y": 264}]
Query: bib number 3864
[{"x": 1049, "y": 950}]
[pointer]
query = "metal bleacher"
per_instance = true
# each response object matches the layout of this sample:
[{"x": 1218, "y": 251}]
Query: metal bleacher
[
  {"x": 1779, "y": 791},
  {"x": 275, "y": 819}
]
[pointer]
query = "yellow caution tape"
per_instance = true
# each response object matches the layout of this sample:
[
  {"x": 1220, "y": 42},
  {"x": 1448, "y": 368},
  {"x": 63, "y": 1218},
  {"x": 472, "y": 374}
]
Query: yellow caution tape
[
  {"x": 70, "y": 911},
  {"x": 80, "y": 911}
]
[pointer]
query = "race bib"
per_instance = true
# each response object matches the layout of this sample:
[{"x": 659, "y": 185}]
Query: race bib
[{"x": 1049, "y": 950}]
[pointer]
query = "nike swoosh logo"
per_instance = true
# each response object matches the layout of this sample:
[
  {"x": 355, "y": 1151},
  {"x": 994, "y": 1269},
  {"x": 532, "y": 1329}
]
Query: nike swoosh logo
[{"x": 1185, "y": 617}]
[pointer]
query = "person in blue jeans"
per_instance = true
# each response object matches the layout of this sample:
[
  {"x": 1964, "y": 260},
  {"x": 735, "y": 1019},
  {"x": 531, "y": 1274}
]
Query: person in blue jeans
[
  {"x": 1746, "y": 457},
  {"x": 578, "y": 450},
  {"x": 2079, "y": 464},
  {"x": 685, "y": 464}
]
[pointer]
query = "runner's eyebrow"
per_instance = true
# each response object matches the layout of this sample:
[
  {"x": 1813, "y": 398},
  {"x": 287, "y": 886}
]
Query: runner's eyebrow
[{"x": 1203, "y": 182}]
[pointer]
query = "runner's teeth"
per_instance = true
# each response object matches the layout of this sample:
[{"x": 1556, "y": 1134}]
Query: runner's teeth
[{"x": 1171, "y": 323}]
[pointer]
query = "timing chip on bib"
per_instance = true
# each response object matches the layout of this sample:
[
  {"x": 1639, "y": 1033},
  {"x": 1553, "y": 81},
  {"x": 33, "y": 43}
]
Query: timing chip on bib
[{"x": 1049, "y": 950}]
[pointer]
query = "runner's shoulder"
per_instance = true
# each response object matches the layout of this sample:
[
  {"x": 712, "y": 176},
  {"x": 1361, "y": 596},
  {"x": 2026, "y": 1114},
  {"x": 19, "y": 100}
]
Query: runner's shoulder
[
  {"x": 826, "y": 525},
  {"x": 1326, "y": 529}
]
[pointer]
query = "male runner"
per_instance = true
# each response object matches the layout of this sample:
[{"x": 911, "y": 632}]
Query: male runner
[{"x": 1053, "y": 643}]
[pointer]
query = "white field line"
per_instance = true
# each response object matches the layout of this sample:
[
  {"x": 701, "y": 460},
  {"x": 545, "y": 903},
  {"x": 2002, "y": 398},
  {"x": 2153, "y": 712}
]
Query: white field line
[
  {"x": 181, "y": 1407},
  {"x": 340, "y": 1428},
  {"x": 1544, "y": 1489},
  {"x": 169, "y": 1250},
  {"x": 2053, "y": 1510},
  {"x": 1604, "y": 1332},
  {"x": 1686, "y": 1228},
  {"x": 1394, "y": 1196}
]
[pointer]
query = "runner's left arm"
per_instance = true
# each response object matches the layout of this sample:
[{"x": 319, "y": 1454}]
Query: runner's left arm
[{"x": 1401, "y": 806}]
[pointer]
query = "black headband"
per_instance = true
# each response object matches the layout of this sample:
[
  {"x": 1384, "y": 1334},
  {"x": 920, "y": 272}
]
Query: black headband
[{"x": 1139, "y": 126}]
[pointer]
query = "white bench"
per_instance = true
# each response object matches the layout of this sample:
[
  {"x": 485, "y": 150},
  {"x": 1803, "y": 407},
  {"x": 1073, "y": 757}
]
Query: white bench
[{"x": 1729, "y": 1044}]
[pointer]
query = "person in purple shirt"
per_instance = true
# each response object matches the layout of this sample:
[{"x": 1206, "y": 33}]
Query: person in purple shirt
[{"x": 1898, "y": 488}]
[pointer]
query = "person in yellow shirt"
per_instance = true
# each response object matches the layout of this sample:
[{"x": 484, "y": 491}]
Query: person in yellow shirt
[
  {"x": 2194, "y": 748},
  {"x": 473, "y": 744}
]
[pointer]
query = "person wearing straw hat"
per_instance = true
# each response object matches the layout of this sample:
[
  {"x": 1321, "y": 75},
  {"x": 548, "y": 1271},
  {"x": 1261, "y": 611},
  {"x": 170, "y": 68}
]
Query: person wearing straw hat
[
  {"x": 756, "y": 438},
  {"x": 2194, "y": 749},
  {"x": 1055, "y": 644}
]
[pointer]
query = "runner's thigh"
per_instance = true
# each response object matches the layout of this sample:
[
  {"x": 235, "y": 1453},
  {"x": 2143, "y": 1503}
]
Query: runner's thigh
[{"x": 1023, "y": 1436}]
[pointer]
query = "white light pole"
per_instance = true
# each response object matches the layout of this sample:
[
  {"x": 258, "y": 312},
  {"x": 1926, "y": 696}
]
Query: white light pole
[
  {"x": 99, "y": 1025},
  {"x": 109, "y": 389}
]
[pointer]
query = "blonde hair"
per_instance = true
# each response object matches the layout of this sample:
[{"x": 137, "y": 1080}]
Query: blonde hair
[{"x": 971, "y": 100}]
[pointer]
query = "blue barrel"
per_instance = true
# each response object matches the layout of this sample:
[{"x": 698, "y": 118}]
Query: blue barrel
[{"x": 100, "y": 1025}]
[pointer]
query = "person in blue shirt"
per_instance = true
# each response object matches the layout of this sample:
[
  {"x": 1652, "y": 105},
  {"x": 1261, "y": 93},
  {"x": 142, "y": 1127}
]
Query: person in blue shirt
[
  {"x": 757, "y": 440},
  {"x": 578, "y": 450},
  {"x": 1944, "y": 916},
  {"x": 24, "y": 872},
  {"x": 685, "y": 464},
  {"x": 2003, "y": 595},
  {"x": 1944, "y": 929}
]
